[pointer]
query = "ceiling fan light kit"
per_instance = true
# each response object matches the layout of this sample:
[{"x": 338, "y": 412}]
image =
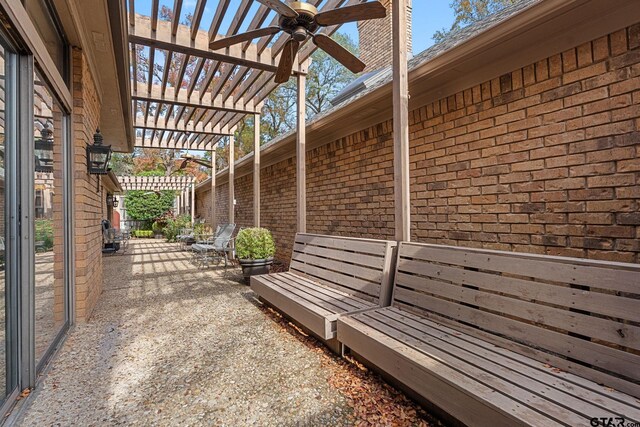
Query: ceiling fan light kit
[{"x": 301, "y": 20}]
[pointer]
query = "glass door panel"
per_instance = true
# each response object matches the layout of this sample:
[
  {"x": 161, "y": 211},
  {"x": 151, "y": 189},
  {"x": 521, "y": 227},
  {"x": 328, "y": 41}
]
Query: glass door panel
[
  {"x": 3, "y": 229},
  {"x": 49, "y": 225}
]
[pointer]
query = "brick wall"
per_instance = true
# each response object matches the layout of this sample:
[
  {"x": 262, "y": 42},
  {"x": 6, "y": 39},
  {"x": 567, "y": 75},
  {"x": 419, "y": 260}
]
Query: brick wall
[
  {"x": 222, "y": 202},
  {"x": 88, "y": 203},
  {"x": 375, "y": 39},
  {"x": 543, "y": 159}
]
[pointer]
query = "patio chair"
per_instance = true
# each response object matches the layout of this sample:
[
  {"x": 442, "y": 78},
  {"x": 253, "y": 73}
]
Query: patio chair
[
  {"x": 217, "y": 248},
  {"x": 113, "y": 240},
  {"x": 185, "y": 235}
]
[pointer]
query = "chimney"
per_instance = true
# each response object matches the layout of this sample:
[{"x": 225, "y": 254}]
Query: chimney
[{"x": 376, "y": 39}]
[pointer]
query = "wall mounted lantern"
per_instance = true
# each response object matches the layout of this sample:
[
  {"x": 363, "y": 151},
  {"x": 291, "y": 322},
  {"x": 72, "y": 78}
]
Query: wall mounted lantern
[
  {"x": 44, "y": 150},
  {"x": 112, "y": 200},
  {"x": 98, "y": 155}
]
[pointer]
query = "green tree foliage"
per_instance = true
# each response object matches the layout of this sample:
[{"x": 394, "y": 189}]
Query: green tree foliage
[
  {"x": 122, "y": 164},
  {"x": 326, "y": 78},
  {"x": 147, "y": 205},
  {"x": 470, "y": 11}
]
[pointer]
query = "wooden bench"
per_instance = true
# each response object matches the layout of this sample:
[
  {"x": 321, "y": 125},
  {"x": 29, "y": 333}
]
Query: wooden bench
[
  {"x": 497, "y": 338},
  {"x": 329, "y": 276}
]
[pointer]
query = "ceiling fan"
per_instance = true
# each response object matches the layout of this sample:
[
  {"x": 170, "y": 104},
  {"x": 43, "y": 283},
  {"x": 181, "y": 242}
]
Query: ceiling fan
[
  {"x": 190, "y": 158},
  {"x": 300, "y": 20},
  {"x": 156, "y": 192}
]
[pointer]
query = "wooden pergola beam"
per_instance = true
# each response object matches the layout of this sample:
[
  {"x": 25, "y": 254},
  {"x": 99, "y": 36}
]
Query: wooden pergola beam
[
  {"x": 194, "y": 101},
  {"x": 181, "y": 126},
  {"x": 301, "y": 167},
  {"x": 402, "y": 195},
  {"x": 256, "y": 170},
  {"x": 173, "y": 144},
  {"x": 232, "y": 166},
  {"x": 142, "y": 34}
]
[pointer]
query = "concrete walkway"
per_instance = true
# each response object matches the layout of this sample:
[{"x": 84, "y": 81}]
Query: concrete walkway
[{"x": 169, "y": 344}]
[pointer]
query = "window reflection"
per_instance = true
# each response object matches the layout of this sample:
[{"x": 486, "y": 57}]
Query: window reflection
[
  {"x": 44, "y": 18},
  {"x": 49, "y": 283},
  {"x": 3, "y": 236}
]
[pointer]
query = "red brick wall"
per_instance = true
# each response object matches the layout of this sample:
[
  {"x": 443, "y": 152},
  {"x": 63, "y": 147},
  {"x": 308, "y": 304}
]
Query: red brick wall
[
  {"x": 543, "y": 159},
  {"x": 244, "y": 201},
  {"x": 222, "y": 202}
]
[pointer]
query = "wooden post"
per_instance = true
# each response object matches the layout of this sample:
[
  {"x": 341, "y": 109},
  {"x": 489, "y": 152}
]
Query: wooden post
[
  {"x": 213, "y": 190},
  {"x": 182, "y": 202},
  {"x": 401, "y": 122},
  {"x": 232, "y": 166},
  {"x": 256, "y": 170},
  {"x": 193, "y": 204},
  {"x": 301, "y": 190}
]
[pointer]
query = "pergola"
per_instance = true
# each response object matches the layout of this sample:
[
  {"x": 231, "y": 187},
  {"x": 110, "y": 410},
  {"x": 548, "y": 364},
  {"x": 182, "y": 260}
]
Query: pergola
[
  {"x": 184, "y": 184},
  {"x": 211, "y": 91}
]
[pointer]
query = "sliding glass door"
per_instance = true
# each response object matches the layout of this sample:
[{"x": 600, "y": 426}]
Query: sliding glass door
[
  {"x": 9, "y": 259},
  {"x": 49, "y": 256},
  {"x": 35, "y": 212}
]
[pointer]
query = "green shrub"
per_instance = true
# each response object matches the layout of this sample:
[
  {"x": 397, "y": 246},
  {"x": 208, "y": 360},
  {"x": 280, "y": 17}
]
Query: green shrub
[
  {"x": 175, "y": 225},
  {"x": 255, "y": 243},
  {"x": 44, "y": 234},
  {"x": 158, "y": 227},
  {"x": 143, "y": 233}
]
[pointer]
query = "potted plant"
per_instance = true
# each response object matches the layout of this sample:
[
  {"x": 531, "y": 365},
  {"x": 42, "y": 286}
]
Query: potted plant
[
  {"x": 255, "y": 250},
  {"x": 158, "y": 229}
]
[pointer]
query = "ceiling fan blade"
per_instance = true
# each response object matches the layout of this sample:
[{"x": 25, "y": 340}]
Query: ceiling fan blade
[
  {"x": 341, "y": 54},
  {"x": 238, "y": 38},
  {"x": 202, "y": 163},
  {"x": 358, "y": 12},
  {"x": 286, "y": 61},
  {"x": 280, "y": 7},
  {"x": 184, "y": 163}
]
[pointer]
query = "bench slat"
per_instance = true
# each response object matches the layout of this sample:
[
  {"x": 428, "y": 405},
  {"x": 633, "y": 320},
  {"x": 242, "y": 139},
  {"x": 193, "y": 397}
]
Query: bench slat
[
  {"x": 623, "y": 278},
  {"x": 608, "y": 330},
  {"x": 576, "y": 386},
  {"x": 366, "y": 246},
  {"x": 284, "y": 286},
  {"x": 512, "y": 384},
  {"x": 443, "y": 386},
  {"x": 329, "y": 291},
  {"x": 532, "y": 355},
  {"x": 594, "y": 302},
  {"x": 340, "y": 281},
  {"x": 364, "y": 273},
  {"x": 604, "y": 357},
  {"x": 334, "y": 301},
  {"x": 375, "y": 261},
  {"x": 311, "y": 316}
]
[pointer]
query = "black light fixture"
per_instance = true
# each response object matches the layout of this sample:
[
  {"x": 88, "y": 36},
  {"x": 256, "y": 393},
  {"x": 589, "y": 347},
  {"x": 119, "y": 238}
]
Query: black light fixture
[
  {"x": 98, "y": 155},
  {"x": 44, "y": 150},
  {"x": 112, "y": 200}
]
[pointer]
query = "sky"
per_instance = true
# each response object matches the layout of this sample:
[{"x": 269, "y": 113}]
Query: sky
[{"x": 428, "y": 17}]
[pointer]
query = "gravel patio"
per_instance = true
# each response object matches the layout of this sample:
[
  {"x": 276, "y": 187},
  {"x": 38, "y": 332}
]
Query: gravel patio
[{"x": 169, "y": 344}]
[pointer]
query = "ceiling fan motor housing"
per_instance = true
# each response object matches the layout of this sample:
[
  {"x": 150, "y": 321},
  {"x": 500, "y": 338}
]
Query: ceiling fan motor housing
[{"x": 303, "y": 23}]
